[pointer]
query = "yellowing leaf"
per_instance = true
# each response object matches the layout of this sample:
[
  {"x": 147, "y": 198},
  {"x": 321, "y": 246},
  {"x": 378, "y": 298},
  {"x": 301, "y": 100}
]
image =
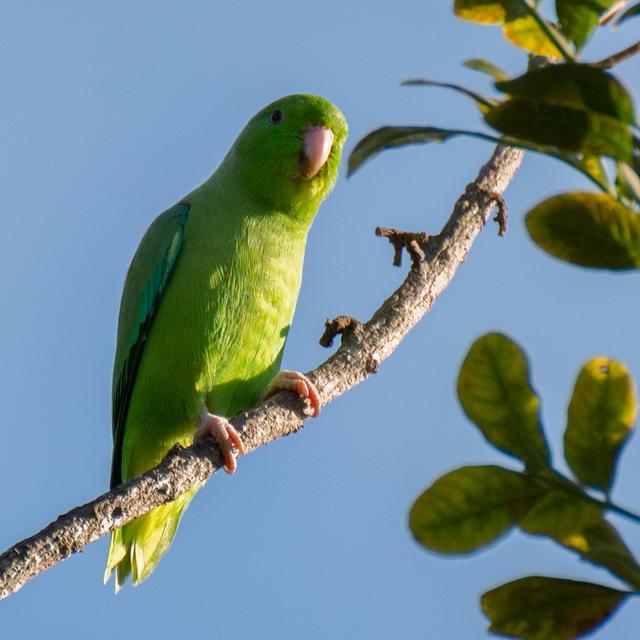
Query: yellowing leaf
[
  {"x": 519, "y": 27},
  {"x": 587, "y": 229},
  {"x": 495, "y": 393},
  {"x": 526, "y": 33},
  {"x": 486, "y": 11},
  {"x": 601, "y": 544},
  {"x": 541, "y": 608},
  {"x": 470, "y": 507},
  {"x": 602, "y": 413}
]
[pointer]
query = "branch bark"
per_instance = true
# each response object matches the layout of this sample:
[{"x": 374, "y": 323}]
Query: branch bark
[
  {"x": 363, "y": 349},
  {"x": 611, "y": 61}
]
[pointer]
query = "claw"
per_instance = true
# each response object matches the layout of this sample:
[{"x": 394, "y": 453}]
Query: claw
[
  {"x": 299, "y": 384},
  {"x": 226, "y": 437}
]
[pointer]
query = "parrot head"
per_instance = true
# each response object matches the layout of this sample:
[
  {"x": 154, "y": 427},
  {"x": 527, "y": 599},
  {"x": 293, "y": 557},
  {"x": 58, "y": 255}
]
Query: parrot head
[{"x": 288, "y": 154}]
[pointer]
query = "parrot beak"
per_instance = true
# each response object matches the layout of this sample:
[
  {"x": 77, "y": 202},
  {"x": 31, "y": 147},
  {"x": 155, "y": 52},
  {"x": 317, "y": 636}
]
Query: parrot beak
[{"x": 316, "y": 147}]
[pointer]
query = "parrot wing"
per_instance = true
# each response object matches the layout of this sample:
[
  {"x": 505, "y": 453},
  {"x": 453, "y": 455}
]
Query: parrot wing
[{"x": 146, "y": 281}]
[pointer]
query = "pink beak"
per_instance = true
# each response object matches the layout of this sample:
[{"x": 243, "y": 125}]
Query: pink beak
[{"x": 317, "y": 147}]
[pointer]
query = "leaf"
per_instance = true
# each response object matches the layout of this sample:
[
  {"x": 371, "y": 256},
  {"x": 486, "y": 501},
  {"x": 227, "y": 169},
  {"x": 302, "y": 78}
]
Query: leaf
[
  {"x": 519, "y": 27},
  {"x": 577, "y": 130},
  {"x": 559, "y": 515},
  {"x": 579, "y": 86},
  {"x": 399, "y": 136},
  {"x": 487, "y": 11},
  {"x": 574, "y": 107},
  {"x": 601, "y": 544},
  {"x": 482, "y": 102},
  {"x": 578, "y": 18},
  {"x": 631, "y": 12},
  {"x": 485, "y": 66},
  {"x": 602, "y": 413},
  {"x": 578, "y": 525},
  {"x": 470, "y": 507},
  {"x": 390, "y": 137},
  {"x": 587, "y": 229},
  {"x": 527, "y": 34},
  {"x": 495, "y": 393},
  {"x": 542, "y": 608}
]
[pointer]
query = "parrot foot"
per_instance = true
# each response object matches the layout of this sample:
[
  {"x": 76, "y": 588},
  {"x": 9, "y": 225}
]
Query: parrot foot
[
  {"x": 226, "y": 437},
  {"x": 298, "y": 383}
]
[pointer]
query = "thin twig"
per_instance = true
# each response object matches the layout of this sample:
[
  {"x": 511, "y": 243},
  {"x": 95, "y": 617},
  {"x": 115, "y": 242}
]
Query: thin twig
[
  {"x": 612, "y": 12},
  {"x": 413, "y": 242},
  {"x": 341, "y": 325},
  {"x": 617, "y": 58},
  {"x": 502, "y": 215}
]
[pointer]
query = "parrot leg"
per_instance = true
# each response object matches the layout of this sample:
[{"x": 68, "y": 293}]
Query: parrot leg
[
  {"x": 298, "y": 383},
  {"x": 226, "y": 437}
]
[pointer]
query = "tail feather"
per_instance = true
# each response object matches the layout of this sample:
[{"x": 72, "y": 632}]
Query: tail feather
[{"x": 137, "y": 547}]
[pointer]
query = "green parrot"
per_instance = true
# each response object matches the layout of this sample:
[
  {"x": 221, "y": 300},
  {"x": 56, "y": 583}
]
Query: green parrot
[{"x": 207, "y": 305}]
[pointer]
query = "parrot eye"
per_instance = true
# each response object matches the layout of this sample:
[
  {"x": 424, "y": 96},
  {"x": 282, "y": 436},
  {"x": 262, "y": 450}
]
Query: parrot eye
[{"x": 275, "y": 117}]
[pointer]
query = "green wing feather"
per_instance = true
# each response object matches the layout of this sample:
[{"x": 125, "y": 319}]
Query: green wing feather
[{"x": 147, "y": 278}]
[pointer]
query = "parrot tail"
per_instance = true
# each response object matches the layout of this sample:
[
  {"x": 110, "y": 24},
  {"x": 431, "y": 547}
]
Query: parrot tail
[{"x": 137, "y": 547}]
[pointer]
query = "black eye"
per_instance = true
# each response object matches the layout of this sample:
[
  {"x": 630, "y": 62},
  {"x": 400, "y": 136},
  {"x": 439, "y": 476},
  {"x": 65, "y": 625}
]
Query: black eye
[{"x": 275, "y": 117}]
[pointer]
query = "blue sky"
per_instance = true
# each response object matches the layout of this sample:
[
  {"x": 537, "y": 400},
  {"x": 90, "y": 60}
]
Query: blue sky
[{"x": 112, "y": 112}]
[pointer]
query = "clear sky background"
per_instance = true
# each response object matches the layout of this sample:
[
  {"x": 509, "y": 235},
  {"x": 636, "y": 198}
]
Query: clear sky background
[{"x": 111, "y": 111}]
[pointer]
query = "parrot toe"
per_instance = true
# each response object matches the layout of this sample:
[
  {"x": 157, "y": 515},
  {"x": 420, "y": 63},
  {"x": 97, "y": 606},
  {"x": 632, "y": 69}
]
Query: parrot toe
[
  {"x": 226, "y": 437},
  {"x": 299, "y": 384}
]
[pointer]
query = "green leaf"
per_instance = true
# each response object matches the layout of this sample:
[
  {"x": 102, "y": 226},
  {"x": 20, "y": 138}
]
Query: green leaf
[
  {"x": 470, "y": 507},
  {"x": 399, "y": 136},
  {"x": 519, "y": 26},
  {"x": 541, "y": 608},
  {"x": 577, "y": 524},
  {"x": 482, "y": 102},
  {"x": 559, "y": 515},
  {"x": 391, "y": 137},
  {"x": 602, "y": 413},
  {"x": 486, "y": 66},
  {"x": 569, "y": 129},
  {"x": 574, "y": 107},
  {"x": 587, "y": 229},
  {"x": 495, "y": 393},
  {"x": 579, "y": 86},
  {"x": 601, "y": 544},
  {"x": 631, "y": 12},
  {"x": 578, "y": 18}
]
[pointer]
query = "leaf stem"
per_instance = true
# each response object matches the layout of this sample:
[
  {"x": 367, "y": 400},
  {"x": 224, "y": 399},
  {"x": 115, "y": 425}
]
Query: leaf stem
[
  {"x": 611, "y": 506},
  {"x": 563, "y": 482},
  {"x": 555, "y": 36}
]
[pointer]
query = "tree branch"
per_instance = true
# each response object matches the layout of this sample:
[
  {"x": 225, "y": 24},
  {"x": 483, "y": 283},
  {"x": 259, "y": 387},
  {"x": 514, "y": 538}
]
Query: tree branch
[
  {"x": 363, "y": 349},
  {"x": 611, "y": 61}
]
